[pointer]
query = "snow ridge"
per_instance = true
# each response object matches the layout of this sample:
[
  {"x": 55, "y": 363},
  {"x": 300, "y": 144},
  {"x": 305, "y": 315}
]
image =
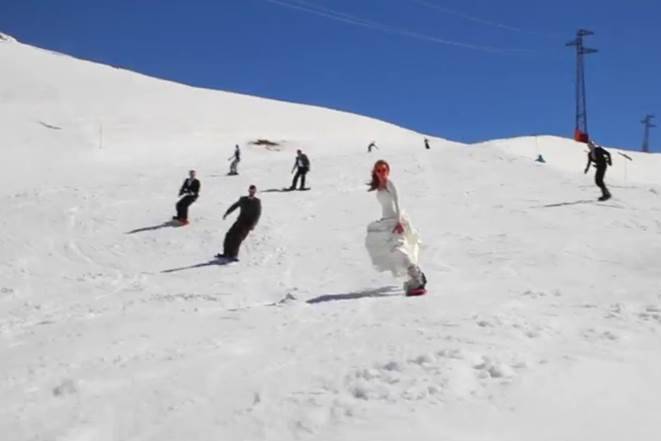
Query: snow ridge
[{"x": 7, "y": 38}]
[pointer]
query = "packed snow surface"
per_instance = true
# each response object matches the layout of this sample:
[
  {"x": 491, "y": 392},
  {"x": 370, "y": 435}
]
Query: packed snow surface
[{"x": 542, "y": 322}]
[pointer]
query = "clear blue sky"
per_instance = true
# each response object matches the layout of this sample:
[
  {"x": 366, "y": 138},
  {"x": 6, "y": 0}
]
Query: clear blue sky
[{"x": 467, "y": 70}]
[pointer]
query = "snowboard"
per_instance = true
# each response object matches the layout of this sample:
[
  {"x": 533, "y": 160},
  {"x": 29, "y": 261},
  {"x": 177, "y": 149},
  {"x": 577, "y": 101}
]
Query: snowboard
[
  {"x": 296, "y": 189},
  {"x": 416, "y": 292},
  {"x": 419, "y": 291},
  {"x": 223, "y": 260}
]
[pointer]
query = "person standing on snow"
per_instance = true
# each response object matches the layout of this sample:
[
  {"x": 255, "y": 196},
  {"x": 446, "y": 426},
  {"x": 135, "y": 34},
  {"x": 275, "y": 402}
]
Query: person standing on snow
[
  {"x": 302, "y": 167},
  {"x": 601, "y": 159},
  {"x": 251, "y": 210},
  {"x": 235, "y": 158},
  {"x": 190, "y": 190},
  {"x": 427, "y": 144},
  {"x": 392, "y": 242}
]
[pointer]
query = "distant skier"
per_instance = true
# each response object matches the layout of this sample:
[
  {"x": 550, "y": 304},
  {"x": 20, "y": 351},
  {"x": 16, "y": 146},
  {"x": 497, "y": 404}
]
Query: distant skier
[
  {"x": 372, "y": 145},
  {"x": 190, "y": 190},
  {"x": 427, "y": 144},
  {"x": 235, "y": 158},
  {"x": 392, "y": 242},
  {"x": 601, "y": 159},
  {"x": 302, "y": 167},
  {"x": 251, "y": 210}
]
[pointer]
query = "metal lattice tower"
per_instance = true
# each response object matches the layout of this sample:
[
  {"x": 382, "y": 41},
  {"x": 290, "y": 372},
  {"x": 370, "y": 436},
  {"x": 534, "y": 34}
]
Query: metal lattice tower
[
  {"x": 581, "y": 129},
  {"x": 647, "y": 122}
]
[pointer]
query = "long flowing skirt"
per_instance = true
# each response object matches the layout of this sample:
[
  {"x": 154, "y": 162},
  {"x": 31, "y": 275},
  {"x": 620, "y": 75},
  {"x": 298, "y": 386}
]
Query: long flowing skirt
[{"x": 391, "y": 251}]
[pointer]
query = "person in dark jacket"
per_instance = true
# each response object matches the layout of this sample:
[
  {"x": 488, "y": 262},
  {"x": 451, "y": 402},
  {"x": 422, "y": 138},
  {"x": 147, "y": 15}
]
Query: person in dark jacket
[
  {"x": 601, "y": 159},
  {"x": 251, "y": 210},
  {"x": 235, "y": 158},
  {"x": 302, "y": 167},
  {"x": 427, "y": 144},
  {"x": 190, "y": 190}
]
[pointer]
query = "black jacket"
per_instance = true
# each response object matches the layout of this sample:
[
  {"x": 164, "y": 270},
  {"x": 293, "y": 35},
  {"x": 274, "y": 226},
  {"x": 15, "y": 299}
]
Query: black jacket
[
  {"x": 600, "y": 157},
  {"x": 302, "y": 162},
  {"x": 190, "y": 188},
  {"x": 251, "y": 210}
]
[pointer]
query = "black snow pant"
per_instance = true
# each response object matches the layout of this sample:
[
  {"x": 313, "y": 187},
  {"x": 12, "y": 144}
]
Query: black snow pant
[
  {"x": 599, "y": 180},
  {"x": 182, "y": 206},
  {"x": 300, "y": 172},
  {"x": 235, "y": 235}
]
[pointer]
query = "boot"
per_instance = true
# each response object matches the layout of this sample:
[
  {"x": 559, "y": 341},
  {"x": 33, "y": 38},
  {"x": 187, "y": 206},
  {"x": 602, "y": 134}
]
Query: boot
[{"x": 417, "y": 282}]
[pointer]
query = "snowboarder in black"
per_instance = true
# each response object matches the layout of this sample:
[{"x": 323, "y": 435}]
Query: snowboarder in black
[
  {"x": 372, "y": 145},
  {"x": 251, "y": 210},
  {"x": 601, "y": 159},
  {"x": 235, "y": 158},
  {"x": 302, "y": 167},
  {"x": 427, "y": 144},
  {"x": 190, "y": 190}
]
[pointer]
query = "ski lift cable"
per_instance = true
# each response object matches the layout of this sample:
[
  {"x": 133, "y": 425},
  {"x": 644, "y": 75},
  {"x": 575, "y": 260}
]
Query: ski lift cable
[
  {"x": 370, "y": 24},
  {"x": 343, "y": 18},
  {"x": 351, "y": 19},
  {"x": 480, "y": 20},
  {"x": 327, "y": 10},
  {"x": 466, "y": 16},
  {"x": 414, "y": 34},
  {"x": 393, "y": 29}
]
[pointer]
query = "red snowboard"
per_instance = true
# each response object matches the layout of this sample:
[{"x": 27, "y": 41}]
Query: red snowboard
[{"x": 416, "y": 292}]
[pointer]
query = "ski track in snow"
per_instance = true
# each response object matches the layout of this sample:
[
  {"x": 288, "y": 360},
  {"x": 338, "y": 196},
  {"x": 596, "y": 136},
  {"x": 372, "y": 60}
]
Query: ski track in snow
[{"x": 543, "y": 304}]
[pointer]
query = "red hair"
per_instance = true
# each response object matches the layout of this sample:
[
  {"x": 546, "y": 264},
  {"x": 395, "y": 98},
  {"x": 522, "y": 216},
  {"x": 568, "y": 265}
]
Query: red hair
[{"x": 374, "y": 183}]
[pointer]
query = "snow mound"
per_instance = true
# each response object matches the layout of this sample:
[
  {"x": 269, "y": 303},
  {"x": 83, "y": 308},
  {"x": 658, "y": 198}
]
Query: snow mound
[{"x": 6, "y": 38}]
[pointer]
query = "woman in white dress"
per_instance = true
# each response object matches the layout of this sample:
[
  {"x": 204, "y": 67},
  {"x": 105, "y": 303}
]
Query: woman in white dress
[{"x": 392, "y": 242}]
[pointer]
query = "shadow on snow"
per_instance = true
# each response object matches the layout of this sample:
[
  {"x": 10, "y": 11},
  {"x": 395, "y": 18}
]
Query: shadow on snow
[
  {"x": 277, "y": 190},
  {"x": 198, "y": 265},
  {"x": 171, "y": 223},
  {"x": 385, "y": 291},
  {"x": 584, "y": 201},
  {"x": 563, "y": 204}
]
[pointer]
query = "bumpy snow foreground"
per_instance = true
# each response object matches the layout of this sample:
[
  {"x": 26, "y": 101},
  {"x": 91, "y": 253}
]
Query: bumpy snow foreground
[{"x": 543, "y": 320}]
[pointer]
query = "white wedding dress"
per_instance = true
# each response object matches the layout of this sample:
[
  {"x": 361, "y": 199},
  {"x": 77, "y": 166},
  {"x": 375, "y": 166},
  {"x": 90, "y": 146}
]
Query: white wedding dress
[{"x": 390, "y": 251}]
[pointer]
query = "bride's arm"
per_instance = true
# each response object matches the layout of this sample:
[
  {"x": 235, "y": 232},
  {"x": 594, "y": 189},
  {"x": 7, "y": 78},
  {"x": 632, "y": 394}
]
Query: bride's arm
[{"x": 393, "y": 191}]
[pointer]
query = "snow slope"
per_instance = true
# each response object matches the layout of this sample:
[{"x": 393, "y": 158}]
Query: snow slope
[
  {"x": 567, "y": 155},
  {"x": 543, "y": 319}
]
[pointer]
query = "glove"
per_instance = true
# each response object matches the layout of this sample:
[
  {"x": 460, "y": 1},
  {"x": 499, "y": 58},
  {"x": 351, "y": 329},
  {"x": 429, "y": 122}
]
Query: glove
[{"x": 399, "y": 229}]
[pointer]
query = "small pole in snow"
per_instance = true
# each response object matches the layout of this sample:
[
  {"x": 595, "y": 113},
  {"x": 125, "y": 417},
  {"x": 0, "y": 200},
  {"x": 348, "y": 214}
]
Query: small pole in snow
[
  {"x": 626, "y": 172},
  {"x": 626, "y": 164},
  {"x": 540, "y": 158}
]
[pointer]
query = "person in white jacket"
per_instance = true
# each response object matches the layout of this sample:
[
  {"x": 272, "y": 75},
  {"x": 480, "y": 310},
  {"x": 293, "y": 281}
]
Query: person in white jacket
[{"x": 392, "y": 242}]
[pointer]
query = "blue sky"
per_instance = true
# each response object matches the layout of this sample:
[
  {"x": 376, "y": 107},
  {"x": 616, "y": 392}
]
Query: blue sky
[{"x": 468, "y": 70}]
